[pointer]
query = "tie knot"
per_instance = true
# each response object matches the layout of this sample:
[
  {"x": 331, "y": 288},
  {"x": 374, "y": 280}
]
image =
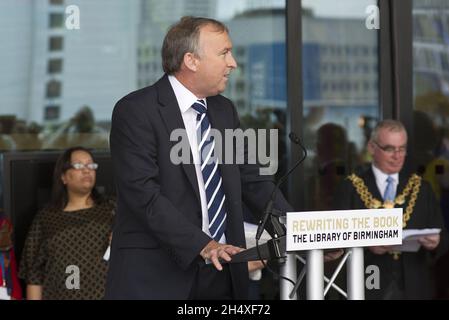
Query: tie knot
[
  {"x": 390, "y": 179},
  {"x": 199, "y": 106}
]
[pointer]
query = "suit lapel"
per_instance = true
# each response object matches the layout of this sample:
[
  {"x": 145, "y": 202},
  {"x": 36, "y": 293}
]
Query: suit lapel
[
  {"x": 172, "y": 118},
  {"x": 402, "y": 182},
  {"x": 216, "y": 114}
]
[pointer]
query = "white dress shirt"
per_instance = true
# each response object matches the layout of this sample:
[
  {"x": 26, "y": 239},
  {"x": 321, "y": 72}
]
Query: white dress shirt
[
  {"x": 381, "y": 180},
  {"x": 185, "y": 100}
]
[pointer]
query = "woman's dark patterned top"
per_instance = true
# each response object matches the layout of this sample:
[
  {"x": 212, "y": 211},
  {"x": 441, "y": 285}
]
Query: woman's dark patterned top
[{"x": 64, "y": 252}]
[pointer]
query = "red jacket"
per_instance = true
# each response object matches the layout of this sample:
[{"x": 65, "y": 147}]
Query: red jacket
[{"x": 16, "y": 292}]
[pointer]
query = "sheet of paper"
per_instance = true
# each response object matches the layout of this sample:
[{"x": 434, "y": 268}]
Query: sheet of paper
[
  {"x": 410, "y": 239},
  {"x": 250, "y": 235},
  {"x": 414, "y": 234}
]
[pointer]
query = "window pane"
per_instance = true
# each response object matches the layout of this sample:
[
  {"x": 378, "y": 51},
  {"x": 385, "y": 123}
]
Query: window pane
[
  {"x": 55, "y": 43},
  {"x": 431, "y": 96},
  {"x": 56, "y": 20},
  {"x": 52, "y": 112},
  {"x": 54, "y": 66},
  {"x": 258, "y": 87},
  {"x": 85, "y": 72},
  {"x": 340, "y": 89},
  {"x": 53, "y": 89}
]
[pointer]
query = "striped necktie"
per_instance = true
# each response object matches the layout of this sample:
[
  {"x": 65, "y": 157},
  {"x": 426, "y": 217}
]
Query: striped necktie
[{"x": 211, "y": 173}]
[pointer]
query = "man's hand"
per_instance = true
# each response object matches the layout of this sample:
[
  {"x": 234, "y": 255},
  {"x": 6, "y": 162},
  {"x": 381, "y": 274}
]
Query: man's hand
[
  {"x": 214, "y": 251},
  {"x": 332, "y": 255},
  {"x": 430, "y": 242},
  {"x": 380, "y": 249},
  {"x": 256, "y": 265}
]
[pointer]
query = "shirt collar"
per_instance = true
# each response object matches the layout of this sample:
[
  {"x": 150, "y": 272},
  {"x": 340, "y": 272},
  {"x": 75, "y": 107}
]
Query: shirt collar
[
  {"x": 184, "y": 96},
  {"x": 382, "y": 176}
]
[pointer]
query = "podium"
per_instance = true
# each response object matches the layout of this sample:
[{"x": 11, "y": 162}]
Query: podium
[
  {"x": 314, "y": 267},
  {"x": 310, "y": 234}
]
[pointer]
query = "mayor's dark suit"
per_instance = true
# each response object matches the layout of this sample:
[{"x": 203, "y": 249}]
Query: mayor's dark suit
[
  {"x": 412, "y": 271},
  {"x": 158, "y": 229}
]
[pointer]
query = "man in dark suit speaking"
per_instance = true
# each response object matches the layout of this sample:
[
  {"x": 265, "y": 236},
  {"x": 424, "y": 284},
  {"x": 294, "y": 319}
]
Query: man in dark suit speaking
[{"x": 172, "y": 219}]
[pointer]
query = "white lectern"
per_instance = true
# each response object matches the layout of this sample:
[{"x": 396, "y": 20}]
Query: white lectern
[
  {"x": 309, "y": 234},
  {"x": 315, "y": 231}
]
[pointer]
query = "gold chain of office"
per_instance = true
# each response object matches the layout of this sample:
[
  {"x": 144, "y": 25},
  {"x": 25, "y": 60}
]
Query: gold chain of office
[{"x": 412, "y": 187}]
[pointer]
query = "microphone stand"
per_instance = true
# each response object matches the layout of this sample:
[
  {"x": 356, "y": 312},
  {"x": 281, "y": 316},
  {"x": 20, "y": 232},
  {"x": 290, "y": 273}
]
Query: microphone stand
[
  {"x": 275, "y": 247},
  {"x": 273, "y": 214}
]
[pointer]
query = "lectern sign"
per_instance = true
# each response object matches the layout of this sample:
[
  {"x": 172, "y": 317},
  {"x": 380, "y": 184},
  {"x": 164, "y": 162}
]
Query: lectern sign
[{"x": 343, "y": 229}]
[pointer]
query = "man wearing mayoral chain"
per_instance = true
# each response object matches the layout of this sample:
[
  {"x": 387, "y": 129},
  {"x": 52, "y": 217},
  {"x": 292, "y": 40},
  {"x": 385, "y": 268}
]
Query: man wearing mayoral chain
[{"x": 385, "y": 184}]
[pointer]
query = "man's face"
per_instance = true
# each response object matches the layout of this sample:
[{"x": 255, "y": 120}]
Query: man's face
[
  {"x": 389, "y": 150},
  {"x": 215, "y": 61}
]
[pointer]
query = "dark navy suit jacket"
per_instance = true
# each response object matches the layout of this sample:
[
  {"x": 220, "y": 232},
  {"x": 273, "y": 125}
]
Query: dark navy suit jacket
[{"x": 158, "y": 233}]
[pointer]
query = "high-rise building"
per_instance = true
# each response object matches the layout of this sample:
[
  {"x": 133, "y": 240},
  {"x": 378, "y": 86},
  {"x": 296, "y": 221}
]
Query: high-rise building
[
  {"x": 168, "y": 11},
  {"x": 334, "y": 71},
  {"x": 156, "y": 17},
  {"x": 16, "y": 62},
  {"x": 51, "y": 71},
  {"x": 430, "y": 46}
]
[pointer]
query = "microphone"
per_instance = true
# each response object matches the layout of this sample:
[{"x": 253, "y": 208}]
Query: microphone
[
  {"x": 295, "y": 139},
  {"x": 269, "y": 207}
]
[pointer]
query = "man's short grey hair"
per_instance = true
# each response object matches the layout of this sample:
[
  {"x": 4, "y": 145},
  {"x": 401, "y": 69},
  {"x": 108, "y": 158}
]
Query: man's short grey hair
[
  {"x": 183, "y": 37},
  {"x": 390, "y": 125}
]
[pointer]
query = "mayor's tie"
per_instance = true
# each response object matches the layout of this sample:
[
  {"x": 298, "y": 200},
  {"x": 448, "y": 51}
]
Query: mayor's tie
[
  {"x": 390, "y": 191},
  {"x": 211, "y": 173}
]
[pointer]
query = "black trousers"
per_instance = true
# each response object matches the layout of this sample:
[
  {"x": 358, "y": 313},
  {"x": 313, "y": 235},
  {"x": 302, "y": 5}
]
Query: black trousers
[{"x": 211, "y": 284}]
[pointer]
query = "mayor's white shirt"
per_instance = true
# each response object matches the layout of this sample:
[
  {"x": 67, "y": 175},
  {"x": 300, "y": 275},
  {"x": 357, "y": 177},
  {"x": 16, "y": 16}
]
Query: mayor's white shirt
[{"x": 381, "y": 180}]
